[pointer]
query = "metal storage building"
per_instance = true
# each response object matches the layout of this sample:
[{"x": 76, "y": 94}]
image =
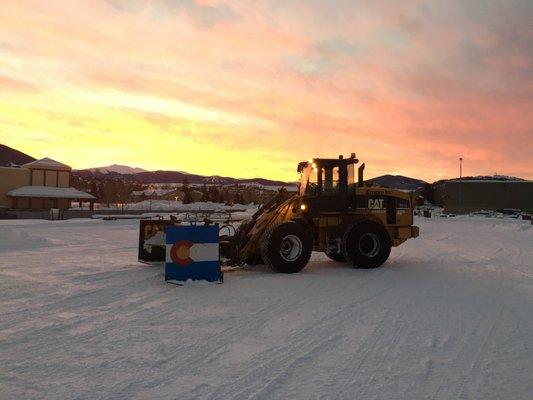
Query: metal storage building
[{"x": 472, "y": 195}]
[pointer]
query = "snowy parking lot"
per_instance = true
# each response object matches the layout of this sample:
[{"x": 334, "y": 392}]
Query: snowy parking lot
[{"x": 449, "y": 316}]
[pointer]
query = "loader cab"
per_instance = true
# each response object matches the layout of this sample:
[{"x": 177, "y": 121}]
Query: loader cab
[{"x": 327, "y": 180}]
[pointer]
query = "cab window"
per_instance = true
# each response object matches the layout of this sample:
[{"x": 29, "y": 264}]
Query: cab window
[
  {"x": 309, "y": 180},
  {"x": 350, "y": 169},
  {"x": 330, "y": 180},
  {"x": 313, "y": 186}
]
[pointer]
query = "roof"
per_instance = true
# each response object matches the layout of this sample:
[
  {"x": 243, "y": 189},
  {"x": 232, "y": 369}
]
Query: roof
[
  {"x": 50, "y": 192},
  {"x": 47, "y": 163},
  {"x": 488, "y": 181}
]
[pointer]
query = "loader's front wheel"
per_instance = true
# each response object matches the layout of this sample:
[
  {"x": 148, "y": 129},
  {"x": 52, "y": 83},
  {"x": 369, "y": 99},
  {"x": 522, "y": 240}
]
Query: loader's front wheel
[
  {"x": 366, "y": 244},
  {"x": 286, "y": 247}
]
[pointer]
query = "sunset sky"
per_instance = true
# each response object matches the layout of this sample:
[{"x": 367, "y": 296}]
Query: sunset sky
[{"x": 249, "y": 88}]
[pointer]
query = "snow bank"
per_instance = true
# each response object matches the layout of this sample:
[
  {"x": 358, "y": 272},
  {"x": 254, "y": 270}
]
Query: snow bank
[
  {"x": 170, "y": 205},
  {"x": 152, "y": 192},
  {"x": 16, "y": 239},
  {"x": 191, "y": 215}
]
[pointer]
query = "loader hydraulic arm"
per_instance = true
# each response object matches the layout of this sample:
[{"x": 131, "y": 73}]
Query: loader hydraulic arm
[{"x": 241, "y": 247}]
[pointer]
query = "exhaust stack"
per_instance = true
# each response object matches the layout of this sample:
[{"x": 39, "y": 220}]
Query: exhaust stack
[{"x": 360, "y": 175}]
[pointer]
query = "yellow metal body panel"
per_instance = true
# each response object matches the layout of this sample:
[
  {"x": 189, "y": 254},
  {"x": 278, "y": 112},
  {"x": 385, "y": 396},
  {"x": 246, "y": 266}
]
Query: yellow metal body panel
[{"x": 289, "y": 210}]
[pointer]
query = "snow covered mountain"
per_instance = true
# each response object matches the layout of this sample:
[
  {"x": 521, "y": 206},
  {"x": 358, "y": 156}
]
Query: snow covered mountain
[
  {"x": 142, "y": 176},
  {"x": 119, "y": 169}
]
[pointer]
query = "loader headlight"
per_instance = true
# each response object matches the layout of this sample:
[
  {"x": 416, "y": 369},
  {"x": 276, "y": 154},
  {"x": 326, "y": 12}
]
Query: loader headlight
[{"x": 303, "y": 207}]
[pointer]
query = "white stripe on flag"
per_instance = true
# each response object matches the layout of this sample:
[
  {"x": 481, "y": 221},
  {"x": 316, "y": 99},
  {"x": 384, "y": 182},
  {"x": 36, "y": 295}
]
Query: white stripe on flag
[{"x": 198, "y": 252}]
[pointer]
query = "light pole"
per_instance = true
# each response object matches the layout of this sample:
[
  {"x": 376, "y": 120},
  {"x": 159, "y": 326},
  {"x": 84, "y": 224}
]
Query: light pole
[{"x": 460, "y": 181}]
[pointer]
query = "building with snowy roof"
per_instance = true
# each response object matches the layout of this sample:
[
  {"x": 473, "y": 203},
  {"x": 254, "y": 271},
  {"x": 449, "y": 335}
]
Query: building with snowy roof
[{"x": 39, "y": 185}]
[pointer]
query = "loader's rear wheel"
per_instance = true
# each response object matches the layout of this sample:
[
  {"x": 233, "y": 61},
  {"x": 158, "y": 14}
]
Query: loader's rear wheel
[
  {"x": 336, "y": 256},
  {"x": 366, "y": 244},
  {"x": 286, "y": 247}
]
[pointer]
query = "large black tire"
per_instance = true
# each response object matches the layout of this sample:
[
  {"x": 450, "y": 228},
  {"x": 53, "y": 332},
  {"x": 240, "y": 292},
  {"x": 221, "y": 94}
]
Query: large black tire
[
  {"x": 286, "y": 247},
  {"x": 335, "y": 256},
  {"x": 366, "y": 244}
]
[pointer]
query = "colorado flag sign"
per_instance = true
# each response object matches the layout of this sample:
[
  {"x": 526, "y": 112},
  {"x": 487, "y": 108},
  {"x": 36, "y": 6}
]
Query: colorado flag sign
[{"x": 192, "y": 253}]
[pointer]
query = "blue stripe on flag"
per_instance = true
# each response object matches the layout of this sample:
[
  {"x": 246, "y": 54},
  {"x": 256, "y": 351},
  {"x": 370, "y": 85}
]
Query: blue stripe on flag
[
  {"x": 205, "y": 270},
  {"x": 195, "y": 234}
]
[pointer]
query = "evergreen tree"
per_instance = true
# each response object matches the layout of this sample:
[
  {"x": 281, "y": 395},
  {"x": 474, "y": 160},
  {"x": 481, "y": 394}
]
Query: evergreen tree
[
  {"x": 205, "y": 194},
  {"x": 187, "y": 198},
  {"x": 214, "y": 194},
  {"x": 428, "y": 193}
]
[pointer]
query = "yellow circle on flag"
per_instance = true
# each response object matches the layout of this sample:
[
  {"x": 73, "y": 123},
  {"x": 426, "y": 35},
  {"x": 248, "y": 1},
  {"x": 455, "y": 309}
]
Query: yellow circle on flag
[{"x": 183, "y": 252}]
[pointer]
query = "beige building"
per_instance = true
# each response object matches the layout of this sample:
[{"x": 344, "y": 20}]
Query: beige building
[{"x": 39, "y": 185}]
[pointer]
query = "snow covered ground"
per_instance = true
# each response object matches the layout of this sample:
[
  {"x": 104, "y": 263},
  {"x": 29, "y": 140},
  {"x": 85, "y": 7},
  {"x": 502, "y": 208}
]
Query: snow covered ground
[{"x": 450, "y": 316}]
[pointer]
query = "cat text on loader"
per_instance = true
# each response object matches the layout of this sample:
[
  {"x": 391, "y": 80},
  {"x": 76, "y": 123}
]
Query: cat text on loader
[{"x": 331, "y": 213}]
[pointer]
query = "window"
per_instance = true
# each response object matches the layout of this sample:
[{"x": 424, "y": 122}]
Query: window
[
  {"x": 313, "y": 186},
  {"x": 331, "y": 180},
  {"x": 350, "y": 174},
  {"x": 402, "y": 203},
  {"x": 309, "y": 180}
]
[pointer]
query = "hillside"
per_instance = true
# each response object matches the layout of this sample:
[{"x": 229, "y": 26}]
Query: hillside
[
  {"x": 10, "y": 157},
  {"x": 173, "y": 177},
  {"x": 397, "y": 182}
]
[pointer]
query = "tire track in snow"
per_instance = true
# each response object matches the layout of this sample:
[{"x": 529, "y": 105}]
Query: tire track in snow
[
  {"x": 305, "y": 337},
  {"x": 485, "y": 323},
  {"x": 202, "y": 353},
  {"x": 265, "y": 314},
  {"x": 360, "y": 355},
  {"x": 397, "y": 337}
]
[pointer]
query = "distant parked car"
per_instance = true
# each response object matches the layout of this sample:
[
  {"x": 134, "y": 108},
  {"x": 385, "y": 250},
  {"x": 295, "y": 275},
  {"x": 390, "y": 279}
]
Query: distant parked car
[
  {"x": 509, "y": 211},
  {"x": 482, "y": 213}
]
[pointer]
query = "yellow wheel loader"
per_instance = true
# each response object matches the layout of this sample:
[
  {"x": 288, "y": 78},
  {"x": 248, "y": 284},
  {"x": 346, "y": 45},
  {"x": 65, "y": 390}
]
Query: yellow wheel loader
[{"x": 332, "y": 213}]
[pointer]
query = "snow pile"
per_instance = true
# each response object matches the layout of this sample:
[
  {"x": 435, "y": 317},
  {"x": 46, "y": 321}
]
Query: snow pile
[
  {"x": 152, "y": 192},
  {"x": 15, "y": 239},
  {"x": 169, "y": 205},
  {"x": 201, "y": 214}
]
